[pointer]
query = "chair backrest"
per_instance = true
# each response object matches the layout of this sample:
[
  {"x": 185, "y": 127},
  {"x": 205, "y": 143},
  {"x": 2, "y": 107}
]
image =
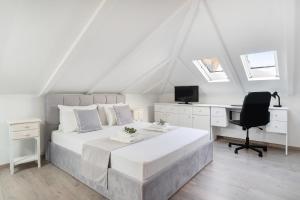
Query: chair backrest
[{"x": 255, "y": 111}]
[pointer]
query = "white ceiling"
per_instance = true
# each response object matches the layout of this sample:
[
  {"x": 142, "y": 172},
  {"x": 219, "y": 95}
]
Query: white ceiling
[{"x": 142, "y": 46}]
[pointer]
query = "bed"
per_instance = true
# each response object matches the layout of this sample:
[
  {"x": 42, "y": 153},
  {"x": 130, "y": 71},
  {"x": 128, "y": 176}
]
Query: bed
[{"x": 147, "y": 170}]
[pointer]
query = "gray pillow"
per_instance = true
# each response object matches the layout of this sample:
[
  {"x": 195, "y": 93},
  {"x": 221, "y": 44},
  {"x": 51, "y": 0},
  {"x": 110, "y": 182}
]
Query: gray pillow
[
  {"x": 87, "y": 120},
  {"x": 123, "y": 115}
]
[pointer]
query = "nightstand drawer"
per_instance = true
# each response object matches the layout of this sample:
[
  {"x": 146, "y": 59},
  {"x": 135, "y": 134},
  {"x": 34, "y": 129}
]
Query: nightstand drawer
[
  {"x": 25, "y": 134},
  {"x": 24, "y": 126}
]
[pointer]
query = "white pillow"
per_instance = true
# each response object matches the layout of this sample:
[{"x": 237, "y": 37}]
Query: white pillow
[
  {"x": 67, "y": 117},
  {"x": 102, "y": 113},
  {"x": 110, "y": 115},
  {"x": 109, "y": 118}
]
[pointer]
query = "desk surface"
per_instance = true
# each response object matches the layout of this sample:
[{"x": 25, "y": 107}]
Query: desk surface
[{"x": 219, "y": 105}]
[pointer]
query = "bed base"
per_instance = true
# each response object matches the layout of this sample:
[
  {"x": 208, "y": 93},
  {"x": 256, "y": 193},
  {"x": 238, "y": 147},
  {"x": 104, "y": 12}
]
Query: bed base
[{"x": 121, "y": 187}]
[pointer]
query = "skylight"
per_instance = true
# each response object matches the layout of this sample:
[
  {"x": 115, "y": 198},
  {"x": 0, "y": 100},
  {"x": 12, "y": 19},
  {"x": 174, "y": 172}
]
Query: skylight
[
  {"x": 261, "y": 66},
  {"x": 211, "y": 69}
]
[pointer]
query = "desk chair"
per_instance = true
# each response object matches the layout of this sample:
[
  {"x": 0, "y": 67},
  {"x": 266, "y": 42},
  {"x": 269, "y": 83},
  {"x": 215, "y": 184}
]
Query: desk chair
[{"x": 254, "y": 113}]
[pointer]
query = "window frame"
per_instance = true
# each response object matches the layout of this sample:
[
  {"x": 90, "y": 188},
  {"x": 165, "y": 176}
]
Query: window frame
[
  {"x": 207, "y": 73},
  {"x": 247, "y": 67}
]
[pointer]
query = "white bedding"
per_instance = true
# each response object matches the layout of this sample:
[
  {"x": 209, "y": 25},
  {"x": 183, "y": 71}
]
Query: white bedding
[{"x": 143, "y": 159}]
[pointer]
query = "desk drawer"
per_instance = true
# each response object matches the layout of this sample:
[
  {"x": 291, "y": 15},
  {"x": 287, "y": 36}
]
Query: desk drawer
[
  {"x": 24, "y": 127},
  {"x": 219, "y": 121},
  {"x": 201, "y": 111},
  {"x": 171, "y": 109},
  {"x": 184, "y": 110},
  {"x": 216, "y": 111},
  {"x": 278, "y": 115},
  {"x": 277, "y": 127},
  {"x": 25, "y": 134}
]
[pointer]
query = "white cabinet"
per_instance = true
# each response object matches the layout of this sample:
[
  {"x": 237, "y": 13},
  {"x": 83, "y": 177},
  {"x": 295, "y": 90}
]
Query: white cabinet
[
  {"x": 219, "y": 117},
  {"x": 278, "y": 115},
  {"x": 278, "y": 122},
  {"x": 184, "y": 115},
  {"x": 201, "y": 122},
  {"x": 185, "y": 120},
  {"x": 201, "y": 111},
  {"x": 277, "y": 127},
  {"x": 172, "y": 118},
  {"x": 158, "y": 116}
]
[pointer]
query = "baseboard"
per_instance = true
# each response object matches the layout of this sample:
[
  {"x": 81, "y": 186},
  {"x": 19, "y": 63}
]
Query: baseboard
[{"x": 278, "y": 146}]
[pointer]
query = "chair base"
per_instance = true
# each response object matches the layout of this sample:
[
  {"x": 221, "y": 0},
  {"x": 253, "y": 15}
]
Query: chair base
[{"x": 249, "y": 146}]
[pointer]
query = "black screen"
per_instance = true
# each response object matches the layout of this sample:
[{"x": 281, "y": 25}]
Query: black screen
[{"x": 186, "y": 94}]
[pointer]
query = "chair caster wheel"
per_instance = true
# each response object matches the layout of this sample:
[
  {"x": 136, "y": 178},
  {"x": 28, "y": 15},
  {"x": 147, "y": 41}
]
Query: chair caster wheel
[
  {"x": 265, "y": 149},
  {"x": 260, "y": 155},
  {"x": 229, "y": 145},
  {"x": 236, "y": 152}
]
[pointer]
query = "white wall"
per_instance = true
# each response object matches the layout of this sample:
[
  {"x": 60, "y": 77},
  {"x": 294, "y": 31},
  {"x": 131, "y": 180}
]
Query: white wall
[
  {"x": 292, "y": 102},
  {"x": 17, "y": 107}
]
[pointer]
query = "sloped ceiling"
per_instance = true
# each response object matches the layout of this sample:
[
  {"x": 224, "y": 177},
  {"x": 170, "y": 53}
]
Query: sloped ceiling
[
  {"x": 34, "y": 35},
  {"x": 106, "y": 49},
  {"x": 142, "y": 46},
  {"x": 228, "y": 29}
]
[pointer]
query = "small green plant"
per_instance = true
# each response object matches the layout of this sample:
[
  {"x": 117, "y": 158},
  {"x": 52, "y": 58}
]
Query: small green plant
[
  {"x": 129, "y": 131},
  {"x": 161, "y": 122}
]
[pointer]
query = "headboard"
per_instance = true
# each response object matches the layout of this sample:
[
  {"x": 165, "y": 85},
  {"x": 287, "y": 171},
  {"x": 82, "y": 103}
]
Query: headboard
[{"x": 53, "y": 100}]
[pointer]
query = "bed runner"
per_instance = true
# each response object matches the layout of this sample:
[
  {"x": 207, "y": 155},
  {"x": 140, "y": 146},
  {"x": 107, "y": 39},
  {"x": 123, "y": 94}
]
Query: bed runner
[{"x": 95, "y": 158}]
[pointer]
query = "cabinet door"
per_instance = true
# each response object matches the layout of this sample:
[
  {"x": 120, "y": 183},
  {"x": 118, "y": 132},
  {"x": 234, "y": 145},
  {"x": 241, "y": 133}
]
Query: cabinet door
[
  {"x": 158, "y": 116},
  {"x": 201, "y": 122},
  {"x": 172, "y": 119},
  {"x": 185, "y": 120}
]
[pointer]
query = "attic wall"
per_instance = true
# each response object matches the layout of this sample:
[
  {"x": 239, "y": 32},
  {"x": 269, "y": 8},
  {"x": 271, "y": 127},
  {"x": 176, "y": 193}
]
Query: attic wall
[{"x": 297, "y": 48}]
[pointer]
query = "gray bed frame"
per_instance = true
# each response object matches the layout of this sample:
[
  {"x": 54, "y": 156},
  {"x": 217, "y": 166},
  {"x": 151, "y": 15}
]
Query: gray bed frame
[{"x": 120, "y": 186}]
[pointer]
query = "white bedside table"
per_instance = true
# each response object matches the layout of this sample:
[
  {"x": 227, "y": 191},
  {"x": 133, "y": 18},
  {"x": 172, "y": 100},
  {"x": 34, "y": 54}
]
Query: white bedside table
[{"x": 22, "y": 130}]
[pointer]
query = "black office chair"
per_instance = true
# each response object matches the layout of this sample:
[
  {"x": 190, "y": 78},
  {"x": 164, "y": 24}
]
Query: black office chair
[{"x": 254, "y": 113}]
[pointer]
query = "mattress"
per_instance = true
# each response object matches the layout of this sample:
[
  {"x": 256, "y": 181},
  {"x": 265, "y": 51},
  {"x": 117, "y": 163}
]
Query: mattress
[{"x": 144, "y": 159}]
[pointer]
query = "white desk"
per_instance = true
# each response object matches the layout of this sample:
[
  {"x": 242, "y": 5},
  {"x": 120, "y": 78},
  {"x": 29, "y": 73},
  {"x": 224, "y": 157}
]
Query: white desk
[{"x": 210, "y": 116}]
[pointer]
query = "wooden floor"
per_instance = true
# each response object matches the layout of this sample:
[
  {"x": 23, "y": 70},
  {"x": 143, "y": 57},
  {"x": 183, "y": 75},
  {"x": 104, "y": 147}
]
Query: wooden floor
[{"x": 233, "y": 177}]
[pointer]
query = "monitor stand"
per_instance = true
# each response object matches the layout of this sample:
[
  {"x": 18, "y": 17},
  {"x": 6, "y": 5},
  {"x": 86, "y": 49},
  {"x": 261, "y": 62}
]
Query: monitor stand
[{"x": 187, "y": 103}]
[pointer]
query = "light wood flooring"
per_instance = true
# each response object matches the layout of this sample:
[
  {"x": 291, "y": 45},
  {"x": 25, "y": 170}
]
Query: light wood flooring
[{"x": 234, "y": 177}]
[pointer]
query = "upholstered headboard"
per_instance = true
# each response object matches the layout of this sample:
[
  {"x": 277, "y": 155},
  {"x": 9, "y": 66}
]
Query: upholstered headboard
[{"x": 53, "y": 100}]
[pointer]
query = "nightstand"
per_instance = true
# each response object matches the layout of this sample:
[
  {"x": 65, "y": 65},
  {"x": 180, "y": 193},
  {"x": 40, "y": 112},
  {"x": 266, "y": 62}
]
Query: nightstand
[{"x": 23, "y": 130}]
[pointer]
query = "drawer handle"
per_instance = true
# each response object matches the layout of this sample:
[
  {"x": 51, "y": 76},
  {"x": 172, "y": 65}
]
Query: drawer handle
[{"x": 27, "y": 126}]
